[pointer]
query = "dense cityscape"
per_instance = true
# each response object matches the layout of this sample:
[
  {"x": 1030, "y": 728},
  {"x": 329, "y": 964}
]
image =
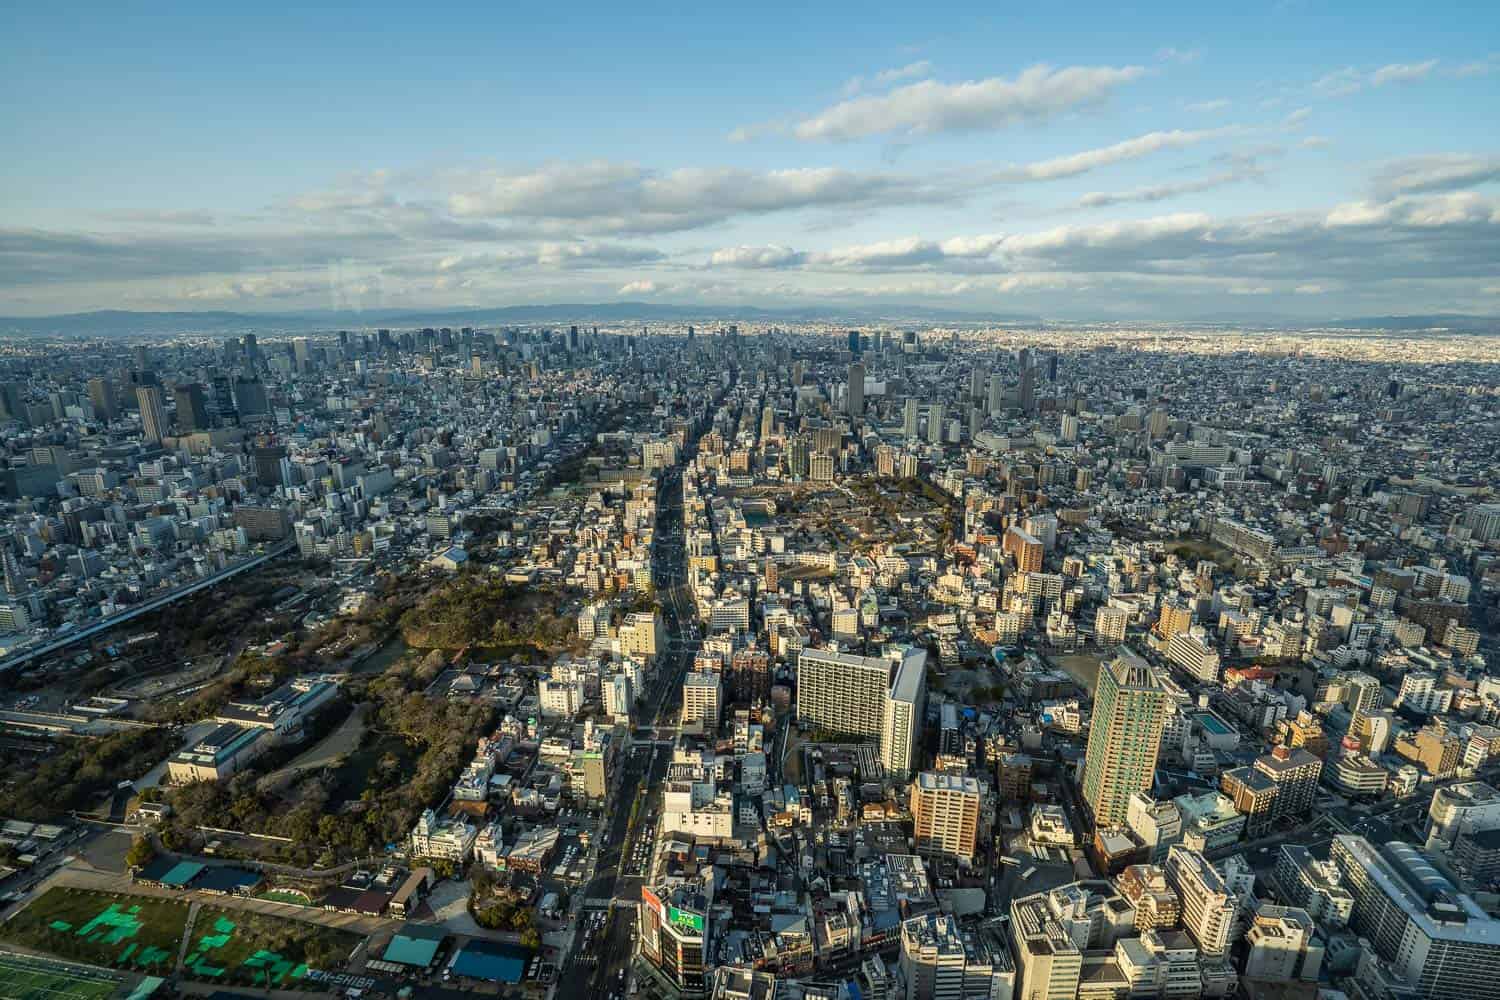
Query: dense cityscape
[{"x": 746, "y": 662}]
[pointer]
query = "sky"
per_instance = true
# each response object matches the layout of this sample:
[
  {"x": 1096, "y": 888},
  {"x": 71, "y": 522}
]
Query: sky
[{"x": 1298, "y": 159}]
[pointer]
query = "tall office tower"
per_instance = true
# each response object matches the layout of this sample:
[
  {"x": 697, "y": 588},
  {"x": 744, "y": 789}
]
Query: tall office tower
[
  {"x": 192, "y": 408},
  {"x": 1436, "y": 938},
  {"x": 142, "y": 357},
  {"x": 1028, "y": 381},
  {"x": 1158, "y": 424},
  {"x": 997, "y": 393},
  {"x": 856, "y": 390},
  {"x": 1130, "y": 711},
  {"x": 12, "y": 398},
  {"x": 909, "y": 418},
  {"x": 268, "y": 461},
  {"x": 1052, "y": 368},
  {"x": 876, "y": 697},
  {"x": 767, "y": 424},
  {"x": 978, "y": 377},
  {"x": 250, "y": 397},
  {"x": 853, "y": 341},
  {"x": 252, "y": 350},
  {"x": 935, "y": 421},
  {"x": 102, "y": 395},
  {"x": 1209, "y": 909},
  {"x": 302, "y": 354},
  {"x": 1069, "y": 431},
  {"x": 222, "y": 396},
  {"x": 153, "y": 416},
  {"x": 945, "y": 812}
]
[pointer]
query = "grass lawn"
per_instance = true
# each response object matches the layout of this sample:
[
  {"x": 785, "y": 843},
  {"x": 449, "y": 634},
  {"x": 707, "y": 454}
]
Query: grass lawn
[
  {"x": 101, "y": 928},
  {"x": 39, "y": 979},
  {"x": 244, "y": 947}
]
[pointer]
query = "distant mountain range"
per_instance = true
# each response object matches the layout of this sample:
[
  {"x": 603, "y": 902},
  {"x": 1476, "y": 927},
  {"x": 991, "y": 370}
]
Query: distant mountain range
[
  {"x": 109, "y": 323},
  {"x": 120, "y": 323}
]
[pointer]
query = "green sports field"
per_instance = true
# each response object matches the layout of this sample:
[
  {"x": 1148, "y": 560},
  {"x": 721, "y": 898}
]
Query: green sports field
[
  {"x": 115, "y": 931},
  {"x": 25, "y": 978}
]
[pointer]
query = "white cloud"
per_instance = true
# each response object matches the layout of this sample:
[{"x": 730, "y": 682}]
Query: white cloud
[
  {"x": 756, "y": 257},
  {"x": 608, "y": 197},
  {"x": 644, "y": 287},
  {"x": 1402, "y": 72},
  {"x": 1296, "y": 119},
  {"x": 886, "y": 77},
  {"x": 1171, "y": 54},
  {"x": 1038, "y": 93},
  {"x": 1348, "y": 80},
  {"x": 1310, "y": 289},
  {"x": 1130, "y": 149},
  {"x": 1163, "y": 192},
  {"x": 1436, "y": 172},
  {"x": 1217, "y": 104}
]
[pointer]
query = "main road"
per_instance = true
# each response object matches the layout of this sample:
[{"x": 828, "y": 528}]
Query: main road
[{"x": 595, "y": 963}]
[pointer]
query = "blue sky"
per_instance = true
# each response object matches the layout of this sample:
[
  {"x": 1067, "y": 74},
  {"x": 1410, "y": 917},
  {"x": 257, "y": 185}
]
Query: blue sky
[{"x": 1306, "y": 159}]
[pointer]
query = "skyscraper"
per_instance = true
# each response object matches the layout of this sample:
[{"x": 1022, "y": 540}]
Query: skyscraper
[
  {"x": 935, "y": 421},
  {"x": 909, "y": 418},
  {"x": 153, "y": 416},
  {"x": 856, "y": 390},
  {"x": 102, "y": 395},
  {"x": 192, "y": 408},
  {"x": 1130, "y": 711},
  {"x": 1028, "y": 381}
]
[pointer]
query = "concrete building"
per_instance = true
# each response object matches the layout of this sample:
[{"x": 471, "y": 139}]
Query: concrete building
[
  {"x": 449, "y": 838},
  {"x": 941, "y": 961},
  {"x": 1434, "y": 937},
  {"x": 1209, "y": 909},
  {"x": 702, "y": 700},
  {"x": 945, "y": 813},
  {"x": 1130, "y": 711},
  {"x": 876, "y": 697}
]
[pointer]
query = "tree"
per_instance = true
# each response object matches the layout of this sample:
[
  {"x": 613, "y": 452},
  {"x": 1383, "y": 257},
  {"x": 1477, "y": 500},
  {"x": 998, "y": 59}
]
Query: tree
[{"x": 141, "y": 852}]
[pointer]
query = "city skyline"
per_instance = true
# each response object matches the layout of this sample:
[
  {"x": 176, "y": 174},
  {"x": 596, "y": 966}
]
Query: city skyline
[{"x": 1168, "y": 167}]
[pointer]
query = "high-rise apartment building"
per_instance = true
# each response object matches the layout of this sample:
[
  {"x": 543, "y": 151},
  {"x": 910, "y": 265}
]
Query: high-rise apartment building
[
  {"x": 1130, "y": 711},
  {"x": 876, "y": 697},
  {"x": 702, "y": 700},
  {"x": 945, "y": 814},
  {"x": 1437, "y": 939},
  {"x": 1209, "y": 909}
]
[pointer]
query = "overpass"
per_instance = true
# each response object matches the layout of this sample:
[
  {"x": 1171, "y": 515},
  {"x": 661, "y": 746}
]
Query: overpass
[{"x": 145, "y": 607}]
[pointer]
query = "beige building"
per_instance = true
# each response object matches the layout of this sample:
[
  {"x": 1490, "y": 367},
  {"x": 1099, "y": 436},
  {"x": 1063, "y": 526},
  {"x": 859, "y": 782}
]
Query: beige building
[
  {"x": 945, "y": 811},
  {"x": 1130, "y": 712}
]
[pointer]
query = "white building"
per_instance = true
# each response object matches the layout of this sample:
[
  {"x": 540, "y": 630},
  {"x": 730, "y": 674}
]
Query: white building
[{"x": 451, "y": 837}]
